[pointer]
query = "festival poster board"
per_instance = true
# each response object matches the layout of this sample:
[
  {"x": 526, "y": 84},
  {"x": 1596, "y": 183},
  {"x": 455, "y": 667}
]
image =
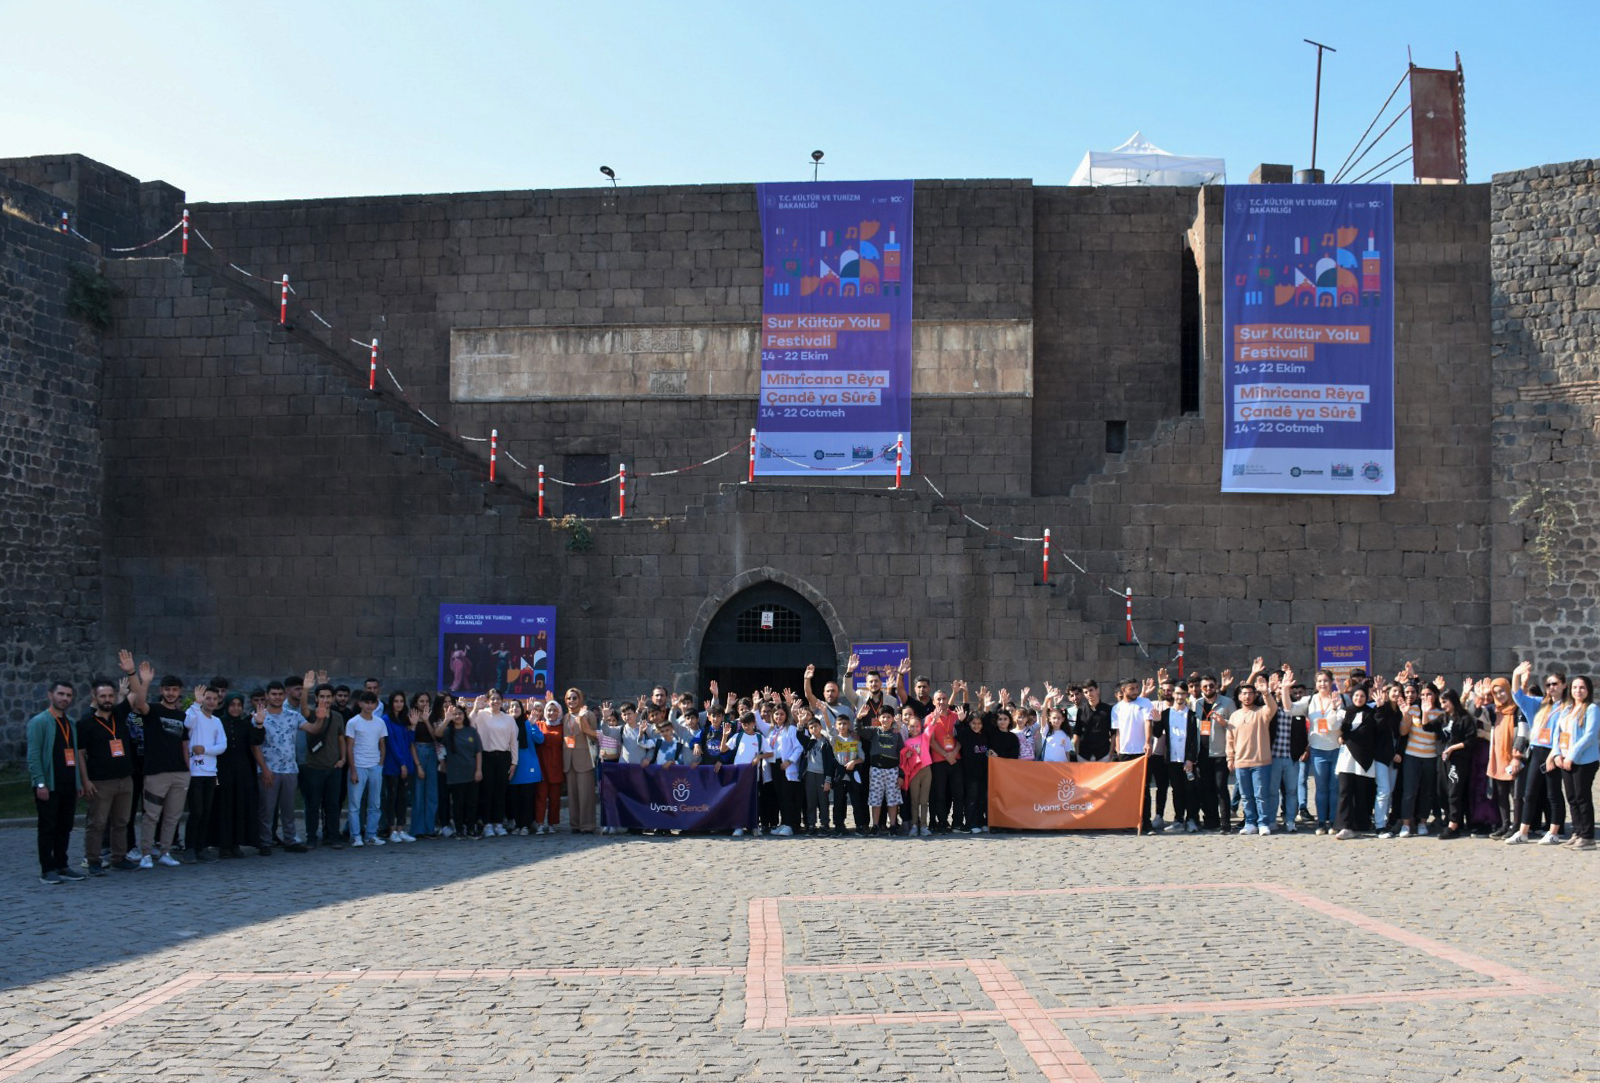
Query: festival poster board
[
  {"x": 1037, "y": 796},
  {"x": 710, "y": 798},
  {"x": 874, "y": 657},
  {"x": 1341, "y": 648},
  {"x": 509, "y": 648},
  {"x": 1308, "y": 329},
  {"x": 835, "y": 390}
]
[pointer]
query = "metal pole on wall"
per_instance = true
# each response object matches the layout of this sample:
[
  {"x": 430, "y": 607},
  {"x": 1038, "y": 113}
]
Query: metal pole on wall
[
  {"x": 1180, "y": 652},
  {"x": 541, "y": 490},
  {"x": 1316, "y": 108},
  {"x": 899, "y": 456},
  {"x": 372, "y": 370},
  {"x": 494, "y": 447},
  {"x": 752, "y": 476},
  {"x": 622, "y": 490},
  {"x": 186, "y": 231},
  {"x": 283, "y": 303},
  {"x": 1047, "y": 554},
  {"x": 1128, "y": 611}
]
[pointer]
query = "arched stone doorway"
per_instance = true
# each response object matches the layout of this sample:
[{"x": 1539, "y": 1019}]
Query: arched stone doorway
[{"x": 764, "y": 636}]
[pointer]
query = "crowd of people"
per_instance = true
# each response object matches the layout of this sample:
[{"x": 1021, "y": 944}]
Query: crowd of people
[{"x": 1398, "y": 758}]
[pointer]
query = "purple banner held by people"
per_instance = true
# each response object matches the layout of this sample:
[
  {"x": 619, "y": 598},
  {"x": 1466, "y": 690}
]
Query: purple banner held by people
[
  {"x": 835, "y": 327},
  {"x": 1308, "y": 326},
  {"x": 715, "y": 798}
]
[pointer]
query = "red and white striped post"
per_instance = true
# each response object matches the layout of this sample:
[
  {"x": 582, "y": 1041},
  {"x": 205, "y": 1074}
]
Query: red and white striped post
[
  {"x": 186, "y": 231},
  {"x": 494, "y": 450},
  {"x": 283, "y": 303},
  {"x": 899, "y": 456},
  {"x": 1047, "y": 554},
  {"x": 372, "y": 368},
  {"x": 66, "y": 226},
  {"x": 752, "y": 477},
  {"x": 622, "y": 490},
  {"x": 1129, "y": 611},
  {"x": 541, "y": 490},
  {"x": 1180, "y": 652}
]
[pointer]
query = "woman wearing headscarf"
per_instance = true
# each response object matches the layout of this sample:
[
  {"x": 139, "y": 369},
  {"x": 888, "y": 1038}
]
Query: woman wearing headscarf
[
  {"x": 1500, "y": 715},
  {"x": 237, "y": 807}
]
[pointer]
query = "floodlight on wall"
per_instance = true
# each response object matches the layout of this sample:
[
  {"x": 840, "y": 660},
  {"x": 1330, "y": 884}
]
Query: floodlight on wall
[
  {"x": 816, "y": 161},
  {"x": 607, "y": 170}
]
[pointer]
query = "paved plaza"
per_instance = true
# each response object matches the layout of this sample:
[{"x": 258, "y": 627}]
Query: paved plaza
[{"x": 998, "y": 957}]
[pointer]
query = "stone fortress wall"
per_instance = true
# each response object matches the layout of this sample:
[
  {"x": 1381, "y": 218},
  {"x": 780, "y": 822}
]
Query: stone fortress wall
[{"x": 262, "y": 511}]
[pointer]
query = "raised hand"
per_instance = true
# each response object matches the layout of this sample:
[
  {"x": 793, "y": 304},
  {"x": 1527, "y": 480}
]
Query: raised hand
[
  {"x": 1161, "y": 675},
  {"x": 125, "y": 662},
  {"x": 1439, "y": 682},
  {"x": 1005, "y": 696},
  {"x": 715, "y": 692},
  {"x": 905, "y": 664},
  {"x": 260, "y": 717},
  {"x": 1226, "y": 679},
  {"x": 1258, "y": 666},
  {"x": 811, "y": 671},
  {"x": 147, "y": 672},
  {"x": 199, "y": 690},
  {"x": 854, "y": 663}
]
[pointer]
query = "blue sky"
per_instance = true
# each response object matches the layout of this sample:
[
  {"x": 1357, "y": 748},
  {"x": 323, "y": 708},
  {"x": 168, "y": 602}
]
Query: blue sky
[{"x": 285, "y": 99}]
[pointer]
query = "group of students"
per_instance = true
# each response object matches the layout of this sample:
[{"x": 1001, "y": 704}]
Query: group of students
[{"x": 1392, "y": 758}]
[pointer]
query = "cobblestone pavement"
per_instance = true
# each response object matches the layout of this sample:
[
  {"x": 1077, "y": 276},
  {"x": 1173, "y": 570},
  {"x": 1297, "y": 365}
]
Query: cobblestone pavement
[{"x": 973, "y": 958}]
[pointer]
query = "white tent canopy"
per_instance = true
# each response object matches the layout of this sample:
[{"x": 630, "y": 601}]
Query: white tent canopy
[{"x": 1139, "y": 161}]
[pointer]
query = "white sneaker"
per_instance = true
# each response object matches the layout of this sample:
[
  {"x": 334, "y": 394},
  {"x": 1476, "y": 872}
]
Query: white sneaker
[
  {"x": 1386, "y": 834},
  {"x": 356, "y": 840},
  {"x": 1193, "y": 828},
  {"x": 169, "y": 861},
  {"x": 446, "y": 831},
  {"x": 1552, "y": 839},
  {"x": 1263, "y": 830},
  {"x": 1170, "y": 829},
  {"x": 1422, "y": 830},
  {"x": 146, "y": 863},
  {"x": 784, "y": 830},
  {"x": 976, "y": 831},
  {"x": 500, "y": 829},
  {"x": 738, "y": 832},
  {"x": 1345, "y": 835},
  {"x": 374, "y": 841},
  {"x": 1247, "y": 830},
  {"x": 1405, "y": 832},
  {"x": 1517, "y": 838}
]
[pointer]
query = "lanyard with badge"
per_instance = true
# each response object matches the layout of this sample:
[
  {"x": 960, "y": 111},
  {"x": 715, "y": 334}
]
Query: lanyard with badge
[
  {"x": 115, "y": 742},
  {"x": 69, "y": 753}
]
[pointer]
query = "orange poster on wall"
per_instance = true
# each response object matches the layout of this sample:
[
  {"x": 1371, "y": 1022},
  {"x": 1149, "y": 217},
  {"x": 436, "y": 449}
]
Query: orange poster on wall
[{"x": 1065, "y": 796}]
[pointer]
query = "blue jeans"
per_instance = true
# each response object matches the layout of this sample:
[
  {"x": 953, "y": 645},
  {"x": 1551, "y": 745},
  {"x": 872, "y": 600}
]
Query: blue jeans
[
  {"x": 1255, "y": 790},
  {"x": 425, "y": 797},
  {"x": 1380, "y": 808},
  {"x": 1303, "y": 771},
  {"x": 1323, "y": 761},
  {"x": 368, "y": 783},
  {"x": 1282, "y": 781}
]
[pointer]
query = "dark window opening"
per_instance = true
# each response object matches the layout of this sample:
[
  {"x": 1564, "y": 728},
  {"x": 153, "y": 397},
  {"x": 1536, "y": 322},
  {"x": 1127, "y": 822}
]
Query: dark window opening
[
  {"x": 586, "y": 501},
  {"x": 767, "y": 624},
  {"x": 1189, "y": 336},
  {"x": 1116, "y": 437}
]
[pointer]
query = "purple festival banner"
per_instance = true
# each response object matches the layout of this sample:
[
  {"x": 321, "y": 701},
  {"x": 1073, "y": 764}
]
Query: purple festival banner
[
  {"x": 713, "y": 798},
  {"x": 835, "y": 327}
]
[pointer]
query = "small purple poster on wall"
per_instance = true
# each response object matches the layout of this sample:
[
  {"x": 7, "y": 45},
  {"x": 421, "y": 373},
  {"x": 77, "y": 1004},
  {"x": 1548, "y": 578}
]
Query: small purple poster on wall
[
  {"x": 508, "y": 648},
  {"x": 835, "y": 328}
]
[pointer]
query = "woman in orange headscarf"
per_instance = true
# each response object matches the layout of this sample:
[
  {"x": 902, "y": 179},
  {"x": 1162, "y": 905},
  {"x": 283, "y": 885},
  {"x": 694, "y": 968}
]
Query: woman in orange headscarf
[{"x": 1499, "y": 714}]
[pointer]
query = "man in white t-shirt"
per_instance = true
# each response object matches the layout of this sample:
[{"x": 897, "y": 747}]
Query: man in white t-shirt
[
  {"x": 364, "y": 740},
  {"x": 1130, "y": 731}
]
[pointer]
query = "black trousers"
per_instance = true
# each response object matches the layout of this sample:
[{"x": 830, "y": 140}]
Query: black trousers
[
  {"x": 944, "y": 794},
  {"x": 791, "y": 800},
  {"x": 767, "y": 804},
  {"x": 396, "y": 809},
  {"x": 1500, "y": 790},
  {"x": 816, "y": 801},
  {"x": 977, "y": 794},
  {"x": 1541, "y": 794},
  {"x": 202, "y": 809},
  {"x": 492, "y": 794},
  {"x": 1160, "y": 780},
  {"x": 1579, "y": 785},
  {"x": 320, "y": 789},
  {"x": 848, "y": 793},
  {"x": 1357, "y": 793},
  {"x": 520, "y": 800},
  {"x": 1183, "y": 808},
  {"x": 1210, "y": 790},
  {"x": 1454, "y": 774},
  {"x": 56, "y": 814},
  {"x": 464, "y": 806},
  {"x": 236, "y": 817}
]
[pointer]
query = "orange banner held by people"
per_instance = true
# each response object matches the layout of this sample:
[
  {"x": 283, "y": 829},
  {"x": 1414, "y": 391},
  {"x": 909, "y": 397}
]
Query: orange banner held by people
[{"x": 1065, "y": 796}]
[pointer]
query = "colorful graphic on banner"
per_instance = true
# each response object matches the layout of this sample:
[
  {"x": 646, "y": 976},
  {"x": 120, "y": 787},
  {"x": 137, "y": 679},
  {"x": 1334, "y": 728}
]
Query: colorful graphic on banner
[
  {"x": 1343, "y": 647},
  {"x": 1308, "y": 325},
  {"x": 1065, "y": 796},
  {"x": 510, "y": 648},
  {"x": 835, "y": 327},
  {"x": 875, "y": 658},
  {"x": 679, "y": 798}
]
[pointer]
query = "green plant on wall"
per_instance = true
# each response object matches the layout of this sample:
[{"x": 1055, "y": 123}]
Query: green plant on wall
[
  {"x": 1553, "y": 518},
  {"x": 89, "y": 296},
  {"x": 579, "y": 538}
]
